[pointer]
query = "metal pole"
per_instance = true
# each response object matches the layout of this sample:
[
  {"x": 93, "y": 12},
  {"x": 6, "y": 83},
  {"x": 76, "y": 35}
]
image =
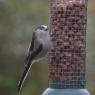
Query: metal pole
[{"x": 68, "y": 51}]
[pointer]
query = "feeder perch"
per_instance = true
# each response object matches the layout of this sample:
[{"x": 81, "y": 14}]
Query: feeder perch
[{"x": 68, "y": 52}]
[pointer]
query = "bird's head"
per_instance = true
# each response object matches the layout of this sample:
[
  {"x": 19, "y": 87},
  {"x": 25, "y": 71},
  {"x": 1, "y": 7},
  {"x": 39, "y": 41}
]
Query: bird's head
[{"x": 42, "y": 27}]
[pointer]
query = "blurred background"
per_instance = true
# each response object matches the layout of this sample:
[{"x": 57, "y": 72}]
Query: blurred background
[{"x": 18, "y": 19}]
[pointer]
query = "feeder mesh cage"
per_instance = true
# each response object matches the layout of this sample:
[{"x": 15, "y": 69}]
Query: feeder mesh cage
[{"x": 68, "y": 51}]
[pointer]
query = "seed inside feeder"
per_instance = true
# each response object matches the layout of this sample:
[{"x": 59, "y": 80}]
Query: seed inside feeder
[{"x": 68, "y": 33}]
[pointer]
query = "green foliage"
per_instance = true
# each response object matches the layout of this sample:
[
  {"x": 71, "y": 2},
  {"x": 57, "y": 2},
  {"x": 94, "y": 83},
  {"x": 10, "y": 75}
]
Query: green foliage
[{"x": 18, "y": 19}]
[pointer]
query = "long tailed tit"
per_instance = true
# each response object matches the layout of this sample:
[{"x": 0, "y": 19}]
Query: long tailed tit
[{"x": 38, "y": 48}]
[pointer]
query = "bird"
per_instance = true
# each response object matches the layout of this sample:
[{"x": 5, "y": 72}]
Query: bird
[{"x": 38, "y": 49}]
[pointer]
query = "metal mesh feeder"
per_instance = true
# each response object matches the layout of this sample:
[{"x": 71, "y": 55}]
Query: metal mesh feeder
[{"x": 68, "y": 51}]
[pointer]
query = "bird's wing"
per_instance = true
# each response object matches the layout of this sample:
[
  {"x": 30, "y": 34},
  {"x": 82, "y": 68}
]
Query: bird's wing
[
  {"x": 30, "y": 50},
  {"x": 27, "y": 69}
]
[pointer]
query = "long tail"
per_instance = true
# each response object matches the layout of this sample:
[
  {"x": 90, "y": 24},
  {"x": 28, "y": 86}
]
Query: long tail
[
  {"x": 23, "y": 77},
  {"x": 25, "y": 73}
]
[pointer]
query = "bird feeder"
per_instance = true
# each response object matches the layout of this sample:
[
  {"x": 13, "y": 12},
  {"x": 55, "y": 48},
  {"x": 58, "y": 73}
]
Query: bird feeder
[{"x": 68, "y": 52}]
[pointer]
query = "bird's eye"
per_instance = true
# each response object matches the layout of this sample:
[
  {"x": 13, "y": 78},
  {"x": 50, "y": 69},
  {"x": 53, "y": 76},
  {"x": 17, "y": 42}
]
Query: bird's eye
[
  {"x": 46, "y": 29},
  {"x": 41, "y": 28}
]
